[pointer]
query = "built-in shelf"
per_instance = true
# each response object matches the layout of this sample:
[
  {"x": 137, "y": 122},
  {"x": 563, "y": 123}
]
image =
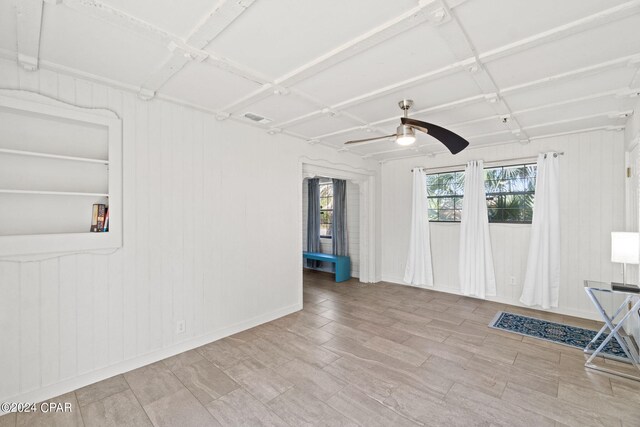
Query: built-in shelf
[
  {"x": 54, "y": 193},
  {"x": 51, "y": 174},
  {"x": 53, "y": 156}
]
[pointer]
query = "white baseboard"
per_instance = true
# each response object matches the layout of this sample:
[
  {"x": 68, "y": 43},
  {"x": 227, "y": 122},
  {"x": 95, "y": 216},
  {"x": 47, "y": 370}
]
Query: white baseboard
[
  {"x": 354, "y": 273},
  {"x": 503, "y": 300},
  {"x": 70, "y": 384}
]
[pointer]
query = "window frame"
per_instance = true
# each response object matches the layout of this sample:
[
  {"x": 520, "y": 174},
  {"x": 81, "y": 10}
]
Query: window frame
[
  {"x": 447, "y": 196},
  {"x": 513, "y": 193},
  {"x": 328, "y": 183},
  {"x": 487, "y": 194}
]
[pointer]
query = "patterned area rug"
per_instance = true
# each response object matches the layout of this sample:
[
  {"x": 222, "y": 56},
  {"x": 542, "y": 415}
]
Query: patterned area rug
[{"x": 554, "y": 332}]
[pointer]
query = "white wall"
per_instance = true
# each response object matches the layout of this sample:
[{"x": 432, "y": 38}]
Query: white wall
[
  {"x": 632, "y": 142},
  {"x": 592, "y": 197},
  {"x": 353, "y": 227},
  {"x": 205, "y": 240}
]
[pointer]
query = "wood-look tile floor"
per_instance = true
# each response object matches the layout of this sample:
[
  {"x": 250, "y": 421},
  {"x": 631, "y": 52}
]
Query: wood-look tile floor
[{"x": 368, "y": 355}]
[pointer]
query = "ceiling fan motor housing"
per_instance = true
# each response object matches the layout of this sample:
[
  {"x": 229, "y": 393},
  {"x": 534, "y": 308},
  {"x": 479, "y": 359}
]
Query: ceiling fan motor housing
[{"x": 405, "y": 135}]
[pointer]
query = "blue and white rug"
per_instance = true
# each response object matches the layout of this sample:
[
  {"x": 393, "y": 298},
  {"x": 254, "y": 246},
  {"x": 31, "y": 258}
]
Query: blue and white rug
[{"x": 554, "y": 332}]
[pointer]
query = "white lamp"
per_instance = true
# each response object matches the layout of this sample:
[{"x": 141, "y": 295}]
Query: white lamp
[{"x": 625, "y": 249}]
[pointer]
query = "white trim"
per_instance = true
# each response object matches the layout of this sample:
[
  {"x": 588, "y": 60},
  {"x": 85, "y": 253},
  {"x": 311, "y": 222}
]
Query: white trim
[
  {"x": 365, "y": 179},
  {"x": 31, "y": 103},
  {"x": 77, "y": 382}
]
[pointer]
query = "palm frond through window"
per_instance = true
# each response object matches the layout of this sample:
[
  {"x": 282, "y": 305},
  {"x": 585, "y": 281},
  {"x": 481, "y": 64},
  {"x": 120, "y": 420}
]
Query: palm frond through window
[{"x": 510, "y": 194}]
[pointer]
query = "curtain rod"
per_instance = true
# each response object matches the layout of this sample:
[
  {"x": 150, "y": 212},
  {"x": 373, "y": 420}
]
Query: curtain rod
[{"x": 556, "y": 154}]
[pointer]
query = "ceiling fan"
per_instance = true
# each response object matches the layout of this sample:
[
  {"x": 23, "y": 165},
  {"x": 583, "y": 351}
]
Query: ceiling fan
[{"x": 405, "y": 133}]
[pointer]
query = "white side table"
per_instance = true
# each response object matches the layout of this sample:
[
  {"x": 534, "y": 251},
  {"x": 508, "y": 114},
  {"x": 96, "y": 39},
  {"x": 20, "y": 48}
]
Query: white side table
[{"x": 596, "y": 292}]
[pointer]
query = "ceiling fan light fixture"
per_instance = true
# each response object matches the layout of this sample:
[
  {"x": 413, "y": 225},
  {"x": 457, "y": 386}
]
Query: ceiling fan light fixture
[{"x": 406, "y": 135}]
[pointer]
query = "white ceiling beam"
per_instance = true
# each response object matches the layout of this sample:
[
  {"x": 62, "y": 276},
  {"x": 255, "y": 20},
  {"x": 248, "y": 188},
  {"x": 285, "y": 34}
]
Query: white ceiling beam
[
  {"x": 493, "y": 144},
  {"x": 389, "y": 29},
  {"x": 609, "y": 93},
  {"x": 113, "y": 16},
  {"x": 583, "y": 24},
  {"x": 473, "y": 62},
  {"x": 629, "y": 60},
  {"x": 29, "y": 29},
  {"x": 614, "y": 115},
  {"x": 462, "y": 47},
  {"x": 211, "y": 26},
  {"x": 535, "y": 84},
  {"x": 182, "y": 51},
  {"x": 570, "y": 75}
]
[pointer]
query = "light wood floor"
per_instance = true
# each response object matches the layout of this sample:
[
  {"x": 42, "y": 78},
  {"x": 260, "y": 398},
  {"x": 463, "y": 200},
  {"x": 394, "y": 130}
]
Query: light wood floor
[{"x": 364, "y": 355}]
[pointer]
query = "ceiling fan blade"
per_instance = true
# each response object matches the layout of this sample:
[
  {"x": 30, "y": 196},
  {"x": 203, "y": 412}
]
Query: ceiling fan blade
[
  {"x": 357, "y": 141},
  {"x": 454, "y": 142}
]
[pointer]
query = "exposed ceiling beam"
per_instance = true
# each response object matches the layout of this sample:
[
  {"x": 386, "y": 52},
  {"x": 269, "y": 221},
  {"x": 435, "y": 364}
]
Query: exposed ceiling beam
[
  {"x": 493, "y": 144},
  {"x": 389, "y": 29},
  {"x": 357, "y": 45},
  {"x": 225, "y": 12},
  {"x": 472, "y": 62},
  {"x": 629, "y": 60},
  {"x": 535, "y": 84},
  {"x": 182, "y": 51},
  {"x": 592, "y": 21},
  {"x": 462, "y": 47},
  {"x": 29, "y": 29},
  {"x": 611, "y": 114}
]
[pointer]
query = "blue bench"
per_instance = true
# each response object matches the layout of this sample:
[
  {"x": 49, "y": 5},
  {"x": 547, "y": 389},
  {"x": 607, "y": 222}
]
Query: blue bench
[{"x": 343, "y": 263}]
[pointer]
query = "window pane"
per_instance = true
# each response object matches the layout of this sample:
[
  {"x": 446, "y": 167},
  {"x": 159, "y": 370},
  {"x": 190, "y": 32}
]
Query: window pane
[
  {"x": 325, "y": 229},
  {"x": 326, "y": 190},
  {"x": 446, "y": 215},
  {"x": 326, "y": 217},
  {"x": 512, "y": 215},
  {"x": 510, "y": 194},
  {"x": 494, "y": 214},
  {"x": 447, "y": 203}
]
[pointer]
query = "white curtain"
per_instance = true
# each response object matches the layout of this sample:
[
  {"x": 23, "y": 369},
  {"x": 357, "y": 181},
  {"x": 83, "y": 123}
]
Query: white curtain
[
  {"x": 419, "y": 271},
  {"x": 542, "y": 279},
  {"x": 477, "y": 276}
]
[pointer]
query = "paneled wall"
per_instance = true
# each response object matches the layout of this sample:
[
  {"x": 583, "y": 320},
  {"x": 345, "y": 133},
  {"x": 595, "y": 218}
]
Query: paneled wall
[
  {"x": 211, "y": 236},
  {"x": 592, "y": 205},
  {"x": 632, "y": 140},
  {"x": 353, "y": 227}
]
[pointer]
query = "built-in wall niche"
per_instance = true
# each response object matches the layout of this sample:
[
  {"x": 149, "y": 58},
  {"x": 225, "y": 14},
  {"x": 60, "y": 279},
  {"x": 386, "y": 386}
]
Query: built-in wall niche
[{"x": 56, "y": 161}]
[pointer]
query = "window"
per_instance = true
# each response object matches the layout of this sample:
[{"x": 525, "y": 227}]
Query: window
[
  {"x": 510, "y": 194},
  {"x": 445, "y": 192},
  {"x": 326, "y": 208}
]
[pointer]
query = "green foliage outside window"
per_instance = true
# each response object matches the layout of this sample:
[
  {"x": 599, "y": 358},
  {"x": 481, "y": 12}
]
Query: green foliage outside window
[
  {"x": 326, "y": 208},
  {"x": 510, "y": 194}
]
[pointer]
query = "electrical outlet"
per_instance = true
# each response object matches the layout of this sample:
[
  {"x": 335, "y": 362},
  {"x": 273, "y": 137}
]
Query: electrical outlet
[
  {"x": 512, "y": 280},
  {"x": 180, "y": 327}
]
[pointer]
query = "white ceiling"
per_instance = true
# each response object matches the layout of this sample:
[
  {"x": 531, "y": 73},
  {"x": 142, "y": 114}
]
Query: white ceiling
[{"x": 333, "y": 70}]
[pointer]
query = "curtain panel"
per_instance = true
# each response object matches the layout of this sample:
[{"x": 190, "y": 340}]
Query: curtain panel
[
  {"x": 477, "y": 275},
  {"x": 542, "y": 279},
  {"x": 419, "y": 269},
  {"x": 339, "y": 238},
  {"x": 313, "y": 220}
]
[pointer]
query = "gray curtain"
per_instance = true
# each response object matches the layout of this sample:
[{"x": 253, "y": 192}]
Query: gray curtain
[
  {"x": 313, "y": 220},
  {"x": 339, "y": 235}
]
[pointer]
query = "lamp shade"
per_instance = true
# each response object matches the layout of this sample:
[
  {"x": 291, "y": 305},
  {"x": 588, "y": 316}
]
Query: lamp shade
[{"x": 625, "y": 247}]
